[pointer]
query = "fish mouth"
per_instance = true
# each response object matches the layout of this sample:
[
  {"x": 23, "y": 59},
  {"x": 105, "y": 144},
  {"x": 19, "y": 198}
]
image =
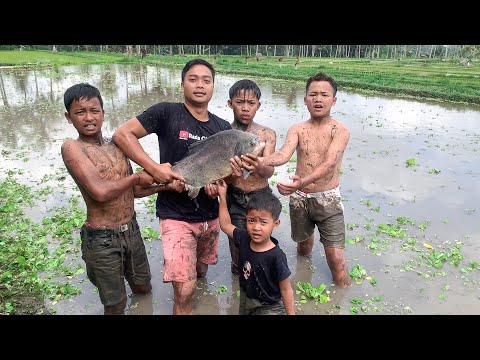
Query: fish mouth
[{"x": 258, "y": 148}]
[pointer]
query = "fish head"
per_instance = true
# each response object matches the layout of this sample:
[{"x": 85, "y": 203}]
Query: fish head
[
  {"x": 250, "y": 144},
  {"x": 258, "y": 148}
]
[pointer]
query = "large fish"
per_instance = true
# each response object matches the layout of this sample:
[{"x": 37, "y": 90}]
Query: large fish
[{"x": 209, "y": 159}]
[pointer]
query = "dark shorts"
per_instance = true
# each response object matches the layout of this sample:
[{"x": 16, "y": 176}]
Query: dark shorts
[
  {"x": 250, "y": 306},
  {"x": 237, "y": 200},
  {"x": 323, "y": 209},
  {"x": 110, "y": 256}
]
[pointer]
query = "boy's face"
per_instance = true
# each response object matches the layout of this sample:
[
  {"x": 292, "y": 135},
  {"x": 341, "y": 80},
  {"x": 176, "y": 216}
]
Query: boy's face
[
  {"x": 260, "y": 225},
  {"x": 245, "y": 105},
  {"x": 320, "y": 99},
  {"x": 197, "y": 85},
  {"x": 86, "y": 116}
]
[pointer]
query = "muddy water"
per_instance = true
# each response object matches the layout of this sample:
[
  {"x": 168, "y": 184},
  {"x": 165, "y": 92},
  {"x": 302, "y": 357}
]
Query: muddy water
[{"x": 440, "y": 194}]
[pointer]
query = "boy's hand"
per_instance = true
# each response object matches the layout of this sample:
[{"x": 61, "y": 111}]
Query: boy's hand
[
  {"x": 236, "y": 166},
  {"x": 177, "y": 185},
  {"x": 290, "y": 188},
  {"x": 144, "y": 179},
  {"x": 211, "y": 190},
  {"x": 221, "y": 188},
  {"x": 251, "y": 162},
  {"x": 163, "y": 173}
]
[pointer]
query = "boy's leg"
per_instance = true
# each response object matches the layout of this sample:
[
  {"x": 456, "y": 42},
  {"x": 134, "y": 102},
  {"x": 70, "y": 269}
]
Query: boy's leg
[
  {"x": 336, "y": 262},
  {"x": 302, "y": 228},
  {"x": 207, "y": 246},
  {"x": 102, "y": 253},
  {"x": 332, "y": 235},
  {"x": 184, "y": 246},
  {"x": 305, "y": 248},
  {"x": 137, "y": 268},
  {"x": 184, "y": 297}
]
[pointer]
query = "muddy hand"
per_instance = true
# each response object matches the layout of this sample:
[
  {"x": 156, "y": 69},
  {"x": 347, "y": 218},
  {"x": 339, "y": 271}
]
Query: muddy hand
[
  {"x": 221, "y": 188},
  {"x": 290, "y": 188},
  {"x": 177, "y": 185},
  {"x": 211, "y": 190},
  {"x": 236, "y": 166},
  {"x": 251, "y": 162},
  {"x": 144, "y": 179},
  {"x": 163, "y": 173}
]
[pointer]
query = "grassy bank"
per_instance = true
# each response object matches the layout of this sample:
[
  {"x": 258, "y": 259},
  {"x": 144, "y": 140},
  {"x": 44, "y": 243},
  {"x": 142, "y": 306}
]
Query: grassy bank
[{"x": 444, "y": 80}]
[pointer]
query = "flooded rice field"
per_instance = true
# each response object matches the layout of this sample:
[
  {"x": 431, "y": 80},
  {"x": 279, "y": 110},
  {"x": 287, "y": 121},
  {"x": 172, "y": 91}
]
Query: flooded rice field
[{"x": 410, "y": 184}]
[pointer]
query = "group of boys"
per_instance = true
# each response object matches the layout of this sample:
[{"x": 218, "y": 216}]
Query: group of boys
[{"x": 245, "y": 209}]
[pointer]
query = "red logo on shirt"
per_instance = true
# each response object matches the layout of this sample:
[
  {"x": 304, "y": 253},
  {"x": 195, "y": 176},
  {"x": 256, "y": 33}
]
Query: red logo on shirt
[{"x": 183, "y": 135}]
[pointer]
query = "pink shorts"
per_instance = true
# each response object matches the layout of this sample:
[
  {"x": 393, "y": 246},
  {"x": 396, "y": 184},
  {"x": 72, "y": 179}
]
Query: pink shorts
[{"x": 186, "y": 242}]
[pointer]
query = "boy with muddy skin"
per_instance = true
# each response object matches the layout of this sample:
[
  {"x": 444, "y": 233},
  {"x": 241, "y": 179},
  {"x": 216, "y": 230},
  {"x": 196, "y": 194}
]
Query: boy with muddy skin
[
  {"x": 314, "y": 191},
  {"x": 245, "y": 101},
  {"x": 112, "y": 247}
]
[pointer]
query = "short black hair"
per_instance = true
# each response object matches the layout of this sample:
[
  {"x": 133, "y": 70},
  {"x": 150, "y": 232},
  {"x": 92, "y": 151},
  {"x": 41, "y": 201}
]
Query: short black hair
[
  {"x": 81, "y": 91},
  {"x": 265, "y": 201},
  {"x": 194, "y": 62},
  {"x": 322, "y": 77},
  {"x": 245, "y": 85}
]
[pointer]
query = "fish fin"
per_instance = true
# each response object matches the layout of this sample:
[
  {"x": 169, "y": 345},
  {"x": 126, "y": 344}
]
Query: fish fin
[
  {"x": 193, "y": 192},
  {"x": 246, "y": 173}
]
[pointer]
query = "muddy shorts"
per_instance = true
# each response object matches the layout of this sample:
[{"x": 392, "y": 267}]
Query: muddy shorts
[
  {"x": 186, "y": 242},
  {"x": 250, "y": 306},
  {"x": 324, "y": 209},
  {"x": 111, "y": 255}
]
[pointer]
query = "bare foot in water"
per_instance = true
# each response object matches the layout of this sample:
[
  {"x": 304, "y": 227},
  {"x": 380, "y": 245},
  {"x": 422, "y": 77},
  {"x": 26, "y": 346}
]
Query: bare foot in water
[
  {"x": 344, "y": 282},
  {"x": 342, "y": 278}
]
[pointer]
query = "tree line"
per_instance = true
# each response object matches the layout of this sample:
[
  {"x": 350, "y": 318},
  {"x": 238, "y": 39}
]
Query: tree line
[{"x": 333, "y": 51}]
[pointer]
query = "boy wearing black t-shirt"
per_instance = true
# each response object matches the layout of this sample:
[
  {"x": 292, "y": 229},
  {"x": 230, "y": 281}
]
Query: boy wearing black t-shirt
[{"x": 265, "y": 287}]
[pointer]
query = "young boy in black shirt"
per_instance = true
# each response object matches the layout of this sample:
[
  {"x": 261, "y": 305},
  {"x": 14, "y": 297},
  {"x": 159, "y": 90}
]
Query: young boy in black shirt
[{"x": 265, "y": 287}]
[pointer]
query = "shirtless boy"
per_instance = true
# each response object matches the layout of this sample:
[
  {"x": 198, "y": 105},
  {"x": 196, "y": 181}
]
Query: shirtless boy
[
  {"x": 245, "y": 101},
  {"x": 314, "y": 191},
  {"x": 112, "y": 246}
]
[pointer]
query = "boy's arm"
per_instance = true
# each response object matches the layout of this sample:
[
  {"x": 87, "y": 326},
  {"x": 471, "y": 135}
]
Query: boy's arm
[
  {"x": 126, "y": 138},
  {"x": 86, "y": 175},
  {"x": 267, "y": 171},
  {"x": 251, "y": 163},
  {"x": 281, "y": 156},
  {"x": 223, "y": 215},
  {"x": 175, "y": 185},
  {"x": 287, "y": 295}
]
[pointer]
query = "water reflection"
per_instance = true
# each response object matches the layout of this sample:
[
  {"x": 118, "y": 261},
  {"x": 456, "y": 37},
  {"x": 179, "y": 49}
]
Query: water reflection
[{"x": 442, "y": 190}]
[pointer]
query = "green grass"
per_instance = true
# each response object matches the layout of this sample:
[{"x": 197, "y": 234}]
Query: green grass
[
  {"x": 439, "y": 79},
  {"x": 47, "y": 58}
]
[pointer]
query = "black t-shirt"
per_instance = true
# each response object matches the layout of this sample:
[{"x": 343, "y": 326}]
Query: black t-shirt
[
  {"x": 260, "y": 272},
  {"x": 177, "y": 129}
]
